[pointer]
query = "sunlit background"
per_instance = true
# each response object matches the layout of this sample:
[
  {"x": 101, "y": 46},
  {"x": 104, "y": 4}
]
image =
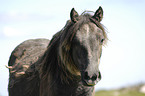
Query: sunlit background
[{"x": 123, "y": 59}]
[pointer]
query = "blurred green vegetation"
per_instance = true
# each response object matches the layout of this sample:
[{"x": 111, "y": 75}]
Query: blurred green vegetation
[
  {"x": 119, "y": 93},
  {"x": 128, "y": 91}
]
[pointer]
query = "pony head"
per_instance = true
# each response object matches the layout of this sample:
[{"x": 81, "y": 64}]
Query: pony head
[{"x": 81, "y": 45}]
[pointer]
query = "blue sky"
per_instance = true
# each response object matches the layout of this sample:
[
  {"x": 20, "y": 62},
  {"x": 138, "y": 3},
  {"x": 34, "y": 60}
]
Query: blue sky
[{"x": 122, "y": 61}]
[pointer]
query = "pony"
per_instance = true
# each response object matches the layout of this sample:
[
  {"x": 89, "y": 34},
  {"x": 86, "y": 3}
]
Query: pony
[{"x": 66, "y": 65}]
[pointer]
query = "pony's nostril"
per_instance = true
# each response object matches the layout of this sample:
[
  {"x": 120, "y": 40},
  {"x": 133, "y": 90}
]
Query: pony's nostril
[
  {"x": 99, "y": 76},
  {"x": 86, "y": 76},
  {"x": 94, "y": 77}
]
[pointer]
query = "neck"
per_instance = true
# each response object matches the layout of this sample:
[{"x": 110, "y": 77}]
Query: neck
[{"x": 72, "y": 89}]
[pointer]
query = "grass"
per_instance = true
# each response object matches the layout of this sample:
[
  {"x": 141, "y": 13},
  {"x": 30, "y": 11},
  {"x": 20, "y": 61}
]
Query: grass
[{"x": 119, "y": 93}]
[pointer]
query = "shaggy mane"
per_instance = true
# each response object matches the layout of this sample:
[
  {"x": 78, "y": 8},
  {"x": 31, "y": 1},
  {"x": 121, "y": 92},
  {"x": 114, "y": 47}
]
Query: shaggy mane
[{"x": 61, "y": 61}]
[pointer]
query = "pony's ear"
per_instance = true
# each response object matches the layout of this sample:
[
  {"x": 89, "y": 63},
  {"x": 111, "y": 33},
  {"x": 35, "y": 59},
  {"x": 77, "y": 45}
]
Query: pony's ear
[
  {"x": 74, "y": 15},
  {"x": 98, "y": 14}
]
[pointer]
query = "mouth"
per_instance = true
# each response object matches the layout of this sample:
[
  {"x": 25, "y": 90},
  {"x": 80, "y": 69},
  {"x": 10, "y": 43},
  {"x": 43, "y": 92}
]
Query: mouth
[{"x": 89, "y": 83}]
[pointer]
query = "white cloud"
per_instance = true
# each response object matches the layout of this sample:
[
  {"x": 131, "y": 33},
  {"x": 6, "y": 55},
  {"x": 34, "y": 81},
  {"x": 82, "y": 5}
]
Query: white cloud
[
  {"x": 11, "y": 31},
  {"x": 13, "y": 13}
]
